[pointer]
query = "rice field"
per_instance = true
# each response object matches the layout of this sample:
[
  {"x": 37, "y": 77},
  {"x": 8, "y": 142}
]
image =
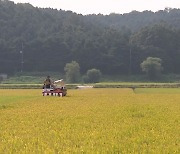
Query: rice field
[{"x": 90, "y": 121}]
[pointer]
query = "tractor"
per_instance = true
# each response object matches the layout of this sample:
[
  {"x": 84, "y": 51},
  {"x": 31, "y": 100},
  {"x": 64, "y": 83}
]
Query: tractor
[{"x": 58, "y": 88}]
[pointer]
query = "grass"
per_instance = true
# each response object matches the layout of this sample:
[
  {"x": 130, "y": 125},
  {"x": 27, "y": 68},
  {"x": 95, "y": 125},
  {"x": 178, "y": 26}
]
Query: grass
[
  {"x": 164, "y": 78},
  {"x": 90, "y": 121},
  {"x": 136, "y": 85},
  {"x": 30, "y": 86},
  {"x": 31, "y": 77},
  {"x": 38, "y": 78},
  {"x": 157, "y": 90}
]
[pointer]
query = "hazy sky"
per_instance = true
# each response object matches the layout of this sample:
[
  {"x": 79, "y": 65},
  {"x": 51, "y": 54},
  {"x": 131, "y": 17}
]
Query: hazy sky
[{"x": 104, "y": 6}]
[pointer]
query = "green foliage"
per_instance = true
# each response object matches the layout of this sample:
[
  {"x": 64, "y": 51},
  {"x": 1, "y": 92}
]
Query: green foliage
[
  {"x": 51, "y": 38},
  {"x": 72, "y": 72},
  {"x": 92, "y": 76},
  {"x": 1, "y": 79},
  {"x": 152, "y": 66},
  {"x": 85, "y": 79}
]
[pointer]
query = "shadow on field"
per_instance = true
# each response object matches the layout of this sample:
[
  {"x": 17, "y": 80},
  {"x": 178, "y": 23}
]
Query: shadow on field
[{"x": 3, "y": 107}]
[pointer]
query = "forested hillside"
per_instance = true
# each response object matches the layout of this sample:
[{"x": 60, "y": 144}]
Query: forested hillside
[{"x": 114, "y": 44}]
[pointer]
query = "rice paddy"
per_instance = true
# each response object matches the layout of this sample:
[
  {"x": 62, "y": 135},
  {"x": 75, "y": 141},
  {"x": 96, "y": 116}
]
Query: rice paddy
[{"x": 90, "y": 121}]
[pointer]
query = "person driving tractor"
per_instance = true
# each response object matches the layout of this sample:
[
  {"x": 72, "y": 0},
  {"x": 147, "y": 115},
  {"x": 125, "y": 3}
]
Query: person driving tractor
[
  {"x": 47, "y": 82},
  {"x": 56, "y": 88}
]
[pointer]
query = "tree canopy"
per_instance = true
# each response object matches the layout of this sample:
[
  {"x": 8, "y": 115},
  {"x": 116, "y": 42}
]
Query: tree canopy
[
  {"x": 72, "y": 72},
  {"x": 51, "y": 38},
  {"x": 152, "y": 66}
]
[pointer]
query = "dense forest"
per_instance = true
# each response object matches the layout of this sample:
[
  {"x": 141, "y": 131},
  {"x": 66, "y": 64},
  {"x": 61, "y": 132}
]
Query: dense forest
[{"x": 114, "y": 44}]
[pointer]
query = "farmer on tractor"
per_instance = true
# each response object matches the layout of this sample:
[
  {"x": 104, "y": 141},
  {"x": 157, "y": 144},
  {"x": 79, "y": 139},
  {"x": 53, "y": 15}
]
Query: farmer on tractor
[
  {"x": 56, "y": 88},
  {"x": 47, "y": 83}
]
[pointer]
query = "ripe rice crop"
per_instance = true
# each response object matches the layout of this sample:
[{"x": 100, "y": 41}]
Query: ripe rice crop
[{"x": 90, "y": 121}]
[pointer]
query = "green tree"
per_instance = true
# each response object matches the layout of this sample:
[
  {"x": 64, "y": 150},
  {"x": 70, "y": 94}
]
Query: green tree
[
  {"x": 72, "y": 72},
  {"x": 92, "y": 76},
  {"x": 1, "y": 79},
  {"x": 52, "y": 38},
  {"x": 152, "y": 66}
]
